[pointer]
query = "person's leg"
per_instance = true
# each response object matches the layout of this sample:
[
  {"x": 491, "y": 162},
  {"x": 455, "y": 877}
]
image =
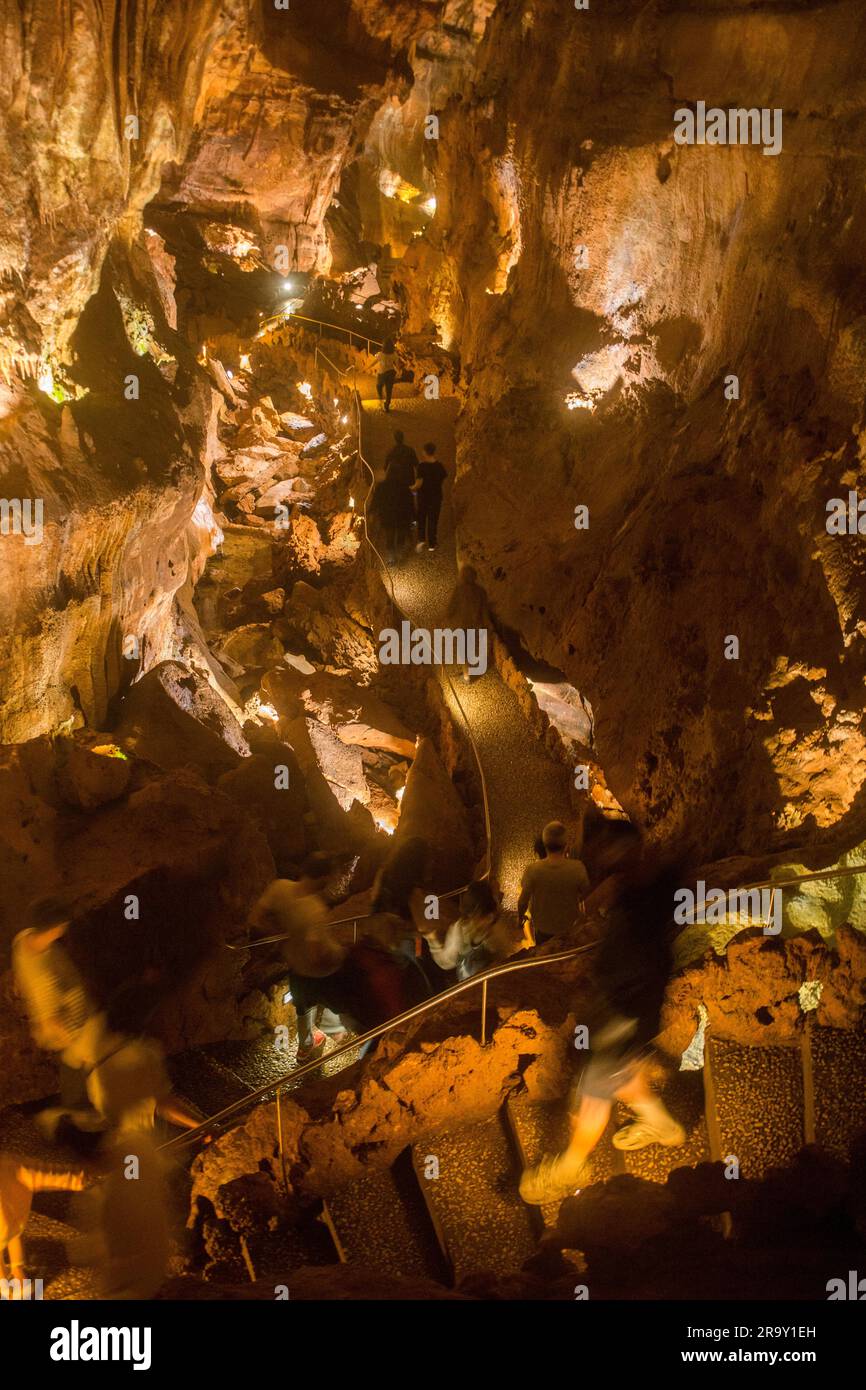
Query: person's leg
[
  {"x": 380, "y": 384},
  {"x": 15, "y": 1251},
  {"x": 560, "y": 1175},
  {"x": 654, "y": 1123},
  {"x": 433, "y": 510},
  {"x": 423, "y": 520},
  {"x": 331, "y": 1024},
  {"x": 389, "y": 388}
]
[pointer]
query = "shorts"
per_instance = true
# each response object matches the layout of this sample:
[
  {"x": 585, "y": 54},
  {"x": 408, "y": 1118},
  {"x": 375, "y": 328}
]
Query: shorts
[{"x": 614, "y": 1061}]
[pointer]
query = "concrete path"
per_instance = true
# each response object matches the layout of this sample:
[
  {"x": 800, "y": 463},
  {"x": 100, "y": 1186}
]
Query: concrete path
[{"x": 526, "y": 786}]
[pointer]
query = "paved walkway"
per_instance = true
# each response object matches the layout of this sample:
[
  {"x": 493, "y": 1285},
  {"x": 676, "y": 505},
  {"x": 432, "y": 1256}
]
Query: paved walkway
[{"x": 526, "y": 786}]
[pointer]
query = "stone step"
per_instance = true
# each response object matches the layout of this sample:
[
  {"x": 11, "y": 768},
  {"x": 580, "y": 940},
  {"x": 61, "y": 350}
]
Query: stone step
[
  {"x": 839, "y": 1086},
  {"x": 543, "y": 1127},
  {"x": 381, "y": 1221},
  {"x": 480, "y": 1220},
  {"x": 684, "y": 1097},
  {"x": 206, "y": 1083},
  {"x": 759, "y": 1104}
]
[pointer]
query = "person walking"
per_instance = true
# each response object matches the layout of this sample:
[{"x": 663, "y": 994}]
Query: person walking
[
  {"x": 431, "y": 475},
  {"x": 468, "y": 609},
  {"x": 401, "y": 461},
  {"x": 386, "y": 372},
  {"x": 296, "y": 910},
  {"x": 477, "y": 939},
  {"x": 392, "y": 506},
  {"x": 631, "y": 969},
  {"x": 552, "y": 888}
]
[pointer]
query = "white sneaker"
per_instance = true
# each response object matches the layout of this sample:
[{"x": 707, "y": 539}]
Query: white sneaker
[
  {"x": 420, "y": 546},
  {"x": 640, "y": 1134},
  {"x": 554, "y": 1178}
]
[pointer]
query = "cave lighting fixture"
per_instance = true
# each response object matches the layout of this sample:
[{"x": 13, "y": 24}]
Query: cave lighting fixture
[
  {"x": 575, "y": 401},
  {"x": 306, "y": 390},
  {"x": 268, "y": 712},
  {"x": 245, "y": 361},
  {"x": 429, "y": 205}
]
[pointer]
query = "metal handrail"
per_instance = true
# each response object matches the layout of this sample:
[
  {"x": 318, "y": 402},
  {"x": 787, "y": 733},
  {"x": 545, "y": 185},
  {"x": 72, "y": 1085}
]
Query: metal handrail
[
  {"x": 417, "y": 1011},
  {"x": 847, "y": 871},
  {"x": 276, "y": 319}
]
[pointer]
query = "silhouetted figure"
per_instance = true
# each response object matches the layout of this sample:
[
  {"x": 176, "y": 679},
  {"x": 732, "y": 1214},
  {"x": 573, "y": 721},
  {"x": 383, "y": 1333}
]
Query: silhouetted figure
[
  {"x": 468, "y": 608},
  {"x": 431, "y": 476},
  {"x": 393, "y": 509},
  {"x": 401, "y": 461},
  {"x": 631, "y": 968},
  {"x": 386, "y": 371}
]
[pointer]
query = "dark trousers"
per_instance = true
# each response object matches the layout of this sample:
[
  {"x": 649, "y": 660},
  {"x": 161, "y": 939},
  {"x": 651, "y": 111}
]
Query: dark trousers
[
  {"x": 385, "y": 381},
  {"x": 428, "y": 517}
]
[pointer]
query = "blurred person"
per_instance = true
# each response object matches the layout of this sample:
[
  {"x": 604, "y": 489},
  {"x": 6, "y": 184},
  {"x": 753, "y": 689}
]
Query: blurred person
[
  {"x": 553, "y": 888},
  {"x": 57, "y": 1003},
  {"x": 129, "y": 1243},
  {"x": 393, "y": 507},
  {"x": 400, "y": 887},
  {"x": 477, "y": 939},
  {"x": 630, "y": 973},
  {"x": 431, "y": 475},
  {"x": 20, "y": 1178},
  {"x": 468, "y": 608},
  {"x": 297, "y": 911}
]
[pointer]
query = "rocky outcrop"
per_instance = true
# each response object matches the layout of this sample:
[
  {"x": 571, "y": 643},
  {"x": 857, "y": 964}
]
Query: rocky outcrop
[
  {"x": 697, "y": 504},
  {"x": 338, "y": 1131}
]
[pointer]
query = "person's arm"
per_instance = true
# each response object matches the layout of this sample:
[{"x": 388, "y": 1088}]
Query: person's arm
[{"x": 447, "y": 953}]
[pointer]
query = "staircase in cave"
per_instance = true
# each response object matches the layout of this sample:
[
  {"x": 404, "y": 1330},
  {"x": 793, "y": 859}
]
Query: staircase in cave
[{"x": 448, "y": 1209}]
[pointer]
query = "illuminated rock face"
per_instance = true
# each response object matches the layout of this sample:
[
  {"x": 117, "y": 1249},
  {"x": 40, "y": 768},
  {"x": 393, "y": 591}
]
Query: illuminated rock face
[
  {"x": 706, "y": 514},
  {"x": 601, "y": 284}
]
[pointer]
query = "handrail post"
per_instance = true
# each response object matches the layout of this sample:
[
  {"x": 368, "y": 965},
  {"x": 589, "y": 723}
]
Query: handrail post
[
  {"x": 484, "y": 1011},
  {"x": 280, "y": 1142}
]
